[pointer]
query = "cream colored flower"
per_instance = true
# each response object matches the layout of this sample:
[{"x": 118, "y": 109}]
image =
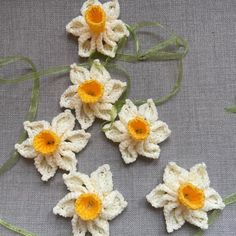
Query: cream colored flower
[
  {"x": 92, "y": 94},
  {"x": 138, "y": 131},
  {"x": 98, "y": 28},
  {"x": 92, "y": 202},
  {"x": 53, "y": 146},
  {"x": 185, "y": 196}
]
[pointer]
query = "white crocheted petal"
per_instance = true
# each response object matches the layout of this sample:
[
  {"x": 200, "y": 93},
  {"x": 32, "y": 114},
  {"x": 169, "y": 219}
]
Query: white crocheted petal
[
  {"x": 159, "y": 131},
  {"x": 66, "y": 206},
  {"x": 113, "y": 204},
  {"x": 102, "y": 110},
  {"x": 112, "y": 9},
  {"x": 79, "y": 227},
  {"x": 78, "y": 182},
  {"x": 46, "y": 166},
  {"x": 26, "y": 149},
  {"x": 88, "y": 4},
  {"x": 76, "y": 140},
  {"x": 77, "y": 26},
  {"x": 149, "y": 111},
  {"x": 161, "y": 195},
  {"x": 212, "y": 200},
  {"x": 87, "y": 44},
  {"x": 98, "y": 227},
  {"x": 128, "y": 152},
  {"x": 78, "y": 74},
  {"x": 35, "y": 127},
  {"x": 174, "y": 175},
  {"x": 102, "y": 179},
  {"x": 113, "y": 90},
  {"x": 106, "y": 46},
  {"x": 84, "y": 115},
  {"x": 148, "y": 149},
  {"x": 63, "y": 122},
  {"x": 196, "y": 217},
  {"x": 198, "y": 176},
  {"x": 99, "y": 72},
  {"x": 128, "y": 111},
  {"x": 117, "y": 132},
  {"x": 173, "y": 216},
  {"x": 69, "y": 98},
  {"x": 116, "y": 30},
  {"x": 66, "y": 160}
]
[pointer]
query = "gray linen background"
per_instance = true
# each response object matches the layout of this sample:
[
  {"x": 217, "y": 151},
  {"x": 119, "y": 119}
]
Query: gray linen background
[{"x": 201, "y": 130}]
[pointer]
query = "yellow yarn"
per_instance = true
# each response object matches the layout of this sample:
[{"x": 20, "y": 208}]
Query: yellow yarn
[
  {"x": 191, "y": 197},
  {"x": 91, "y": 91},
  {"x": 46, "y": 142},
  {"x": 138, "y": 128},
  {"x": 95, "y": 17},
  {"x": 88, "y": 206}
]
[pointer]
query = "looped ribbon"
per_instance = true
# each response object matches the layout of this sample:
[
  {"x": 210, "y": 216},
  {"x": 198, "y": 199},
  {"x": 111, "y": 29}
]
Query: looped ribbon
[{"x": 159, "y": 52}]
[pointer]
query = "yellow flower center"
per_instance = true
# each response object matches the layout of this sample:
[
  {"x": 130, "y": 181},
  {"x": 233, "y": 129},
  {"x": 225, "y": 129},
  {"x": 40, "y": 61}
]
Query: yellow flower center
[
  {"x": 88, "y": 206},
  {"x": 46, "y": 142},
  {"x": 138, "y": 128},
  {"x": 95, "y": 17},
  {"x": 190, "y": 196},
  {"x": 90, "y": 91}
]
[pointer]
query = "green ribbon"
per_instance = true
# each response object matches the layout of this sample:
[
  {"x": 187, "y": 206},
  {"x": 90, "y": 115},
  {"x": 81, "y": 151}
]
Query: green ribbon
[
  {"x": 231, "y": 109},
  {"x": 15, "y": 229},
  {"x": 33, "y": 107},
  {"x": 172, "y": 93},
  {"x": 32, "y": 111},
  {"x": 213, "y": 215},
  {"x": 216, "y": 213},
  {"x": 157, "y": 52},
  {"x": 36, "y": 74}
]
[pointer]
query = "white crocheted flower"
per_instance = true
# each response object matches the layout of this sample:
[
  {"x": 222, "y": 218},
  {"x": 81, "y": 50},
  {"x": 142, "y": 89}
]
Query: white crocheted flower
[
  {"x": 185, "y": 196},
  {"x": 92, "y": 202},
  {"x": 53, "y": 146},
  {"x": 138, "y": 131},
  {"x": 98, "y": 28},
  {"x": 92, "y": 94}
]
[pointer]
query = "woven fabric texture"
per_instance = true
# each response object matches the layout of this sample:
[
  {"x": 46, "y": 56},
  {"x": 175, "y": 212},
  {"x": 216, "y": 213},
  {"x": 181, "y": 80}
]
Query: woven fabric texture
[{"x": 201, "y": 130}]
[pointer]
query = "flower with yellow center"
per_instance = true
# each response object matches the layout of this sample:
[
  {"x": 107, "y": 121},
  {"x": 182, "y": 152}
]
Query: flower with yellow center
[
  {"x": 92, "y": 94},
  {"x": 185, "y": 196},
  {"x": 95, "y": 17},
  {"x": 138, "y": 131},
  {"x": 98, "y": 28},
  {"x": 91, "y": 203},
  {"x": 191, "y": 196},
  {"x": 138, "y": 128},
  {"x": 46, "y": 142},
  {"x": 53, "y": 146},
  {"x": 90, "y": 91},
  {"x": 88, "y": 206}
]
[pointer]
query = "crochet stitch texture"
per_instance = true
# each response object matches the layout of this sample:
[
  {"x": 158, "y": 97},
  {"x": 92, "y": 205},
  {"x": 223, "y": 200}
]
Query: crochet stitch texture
[
  {"x": 74, "y": 98},
  {"x": 98, "y": 186},
  {"x": 98, "y": 28},
  {"x": 63, "y": 156},
  {"x": 180, "y": 195},
  {"x": 152, "y": 131}
]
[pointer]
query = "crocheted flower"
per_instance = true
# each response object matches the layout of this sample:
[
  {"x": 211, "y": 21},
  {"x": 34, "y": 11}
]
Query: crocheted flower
[
  {"x": 92, "y": 93},
  {"x": 92, "y": 202},
  {"x": 138, "y": 131},
  {"x": 53, "y": 146},
  {"x": 185, "y": 196},
  {"x": 98, "y": 28}
]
